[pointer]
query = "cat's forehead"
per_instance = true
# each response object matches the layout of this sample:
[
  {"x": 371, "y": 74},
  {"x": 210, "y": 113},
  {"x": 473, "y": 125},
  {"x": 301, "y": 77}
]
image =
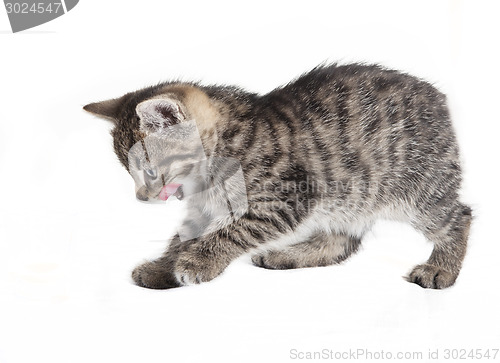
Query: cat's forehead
[{"x": 154, "y": 149}]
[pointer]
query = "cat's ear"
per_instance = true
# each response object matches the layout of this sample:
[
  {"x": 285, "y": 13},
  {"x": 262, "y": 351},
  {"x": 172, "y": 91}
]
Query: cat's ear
[
  {"x": 157, "y": 114},
  {"x": 108, "y": 109}
]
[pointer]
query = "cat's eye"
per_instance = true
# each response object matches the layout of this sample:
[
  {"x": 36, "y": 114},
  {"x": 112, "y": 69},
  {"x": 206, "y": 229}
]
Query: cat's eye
[{"x": 151, "y": 173}]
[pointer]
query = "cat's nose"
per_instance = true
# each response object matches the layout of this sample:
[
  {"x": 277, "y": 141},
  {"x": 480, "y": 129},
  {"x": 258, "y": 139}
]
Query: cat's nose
[
  {"x": 142, "y": 193},
  {"x": 141, "y": 197}
]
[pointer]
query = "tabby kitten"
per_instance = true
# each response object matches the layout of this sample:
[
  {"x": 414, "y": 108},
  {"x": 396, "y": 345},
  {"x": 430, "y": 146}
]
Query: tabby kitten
[{"x": 322, "y": 159}]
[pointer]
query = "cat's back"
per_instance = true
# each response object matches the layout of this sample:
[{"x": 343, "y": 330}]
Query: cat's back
[
  {"x": 368, "y": 123},
  {"x": 356, "y": 87},
  {"x": 367, "y": 109}
]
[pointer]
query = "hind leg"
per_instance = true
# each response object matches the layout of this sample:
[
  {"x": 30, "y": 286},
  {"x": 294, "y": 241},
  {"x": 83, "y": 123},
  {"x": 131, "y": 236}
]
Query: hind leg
[
  {"x": 449, "y": 231},
  {"x": 322, "y": 249}
]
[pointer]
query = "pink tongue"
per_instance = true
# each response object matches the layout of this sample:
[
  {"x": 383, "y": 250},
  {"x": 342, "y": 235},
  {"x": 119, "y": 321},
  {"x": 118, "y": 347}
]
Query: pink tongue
[{"x": 168, "y": 190}]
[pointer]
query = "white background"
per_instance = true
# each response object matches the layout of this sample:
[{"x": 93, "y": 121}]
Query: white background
[{"x": 71, "y": 230}]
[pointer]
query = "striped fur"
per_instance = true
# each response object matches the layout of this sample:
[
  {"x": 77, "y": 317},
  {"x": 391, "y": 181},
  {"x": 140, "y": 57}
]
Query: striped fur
[{"x": 323, "y": 158}]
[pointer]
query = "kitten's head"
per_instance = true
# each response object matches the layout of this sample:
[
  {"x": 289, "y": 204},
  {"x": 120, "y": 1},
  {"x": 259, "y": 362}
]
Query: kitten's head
[{"x": 162, "y": 136}]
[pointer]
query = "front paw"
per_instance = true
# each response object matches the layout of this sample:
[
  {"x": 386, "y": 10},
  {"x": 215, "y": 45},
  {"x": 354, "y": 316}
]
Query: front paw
[
  {"x": 432, "y": 277},
  {"x": 156, "y": 274},
  {"x": 194, "y": 268}
]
